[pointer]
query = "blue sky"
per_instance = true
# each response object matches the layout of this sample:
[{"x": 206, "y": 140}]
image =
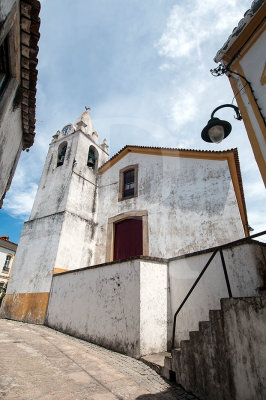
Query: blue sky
[{"x": 143, "y": 68}]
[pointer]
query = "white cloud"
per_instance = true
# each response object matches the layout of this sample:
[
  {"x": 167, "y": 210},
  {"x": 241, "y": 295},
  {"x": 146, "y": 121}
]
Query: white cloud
[
  {"x": 255, "y": 190},
  {"x": 183, "y": 108},
  {"x": 195, "y": 22},
  {"x": 19, "y": 200}
]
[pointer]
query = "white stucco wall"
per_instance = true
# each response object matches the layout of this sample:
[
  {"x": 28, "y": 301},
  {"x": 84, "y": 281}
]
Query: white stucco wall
[
  {"x": 76, "y": 243},
  {"x": 10, "y": 145},
  {"x": 153, "y": 307},
  {"x": 53, "y": 188},
  {"x": 246, "y": 270},
  {"x": 244, "y": 325},
  {"x": 121, "y": 306},
  {"x": 61, "y": 230},
  {"x": 36, "y": 256},
  {"x": 10, "y": 116},
  {"x": 191, "y": 203}
]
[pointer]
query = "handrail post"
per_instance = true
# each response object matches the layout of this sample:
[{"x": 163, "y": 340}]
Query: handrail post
[{"x": 225, "y": 274}]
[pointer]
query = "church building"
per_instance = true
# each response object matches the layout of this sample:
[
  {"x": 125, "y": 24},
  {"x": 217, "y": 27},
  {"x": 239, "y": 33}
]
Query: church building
[{"x": 142, "y": 202}]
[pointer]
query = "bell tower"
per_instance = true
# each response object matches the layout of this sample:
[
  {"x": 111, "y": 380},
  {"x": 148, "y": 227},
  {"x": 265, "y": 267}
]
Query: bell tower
[{"x": 60, "y": 233}]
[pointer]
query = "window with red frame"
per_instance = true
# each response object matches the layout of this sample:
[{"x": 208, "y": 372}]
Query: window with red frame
[{"x": 129, "y": 183}]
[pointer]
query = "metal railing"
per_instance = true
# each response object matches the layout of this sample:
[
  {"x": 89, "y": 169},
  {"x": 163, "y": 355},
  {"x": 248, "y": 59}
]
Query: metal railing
[{"x": 220, "y": 250}]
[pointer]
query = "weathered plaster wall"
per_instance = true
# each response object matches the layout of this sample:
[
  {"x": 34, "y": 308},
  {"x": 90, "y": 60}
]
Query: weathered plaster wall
[
  {"x": 244, "y": 328},
  {"x": 225, "y": 358},
  {"x": 112, "y": 306},
  {"x": 60, "y": 234},
  {"x": 32, "y": 271},
  {"x": 153, "y": 307},
  {"x": 36, "y": 255},
  {"x": 53, "y": 188},
  {"x": 191, "y": 203},
  {"x": 76, "y": 244},
  {"x": 246, "y": 271},
  {"x": 10, "y": 145},
  {"x": 10, "y": 114},
  {"x": 71, "y": 187}
]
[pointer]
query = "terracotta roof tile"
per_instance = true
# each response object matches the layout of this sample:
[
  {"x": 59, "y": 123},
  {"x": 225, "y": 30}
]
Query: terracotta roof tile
[
  {"x": 29, "y": 24},
  {"x": 163, "y": 148},
  {"x": 248, "y": 16}
]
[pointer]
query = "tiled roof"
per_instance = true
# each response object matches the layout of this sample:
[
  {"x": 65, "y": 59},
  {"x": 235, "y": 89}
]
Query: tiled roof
[
  {"x": 7, "y": 244},
  {"x": 248, "y": 16},
  {"x": 174, "y": 149},
  {"x": 29, "y": 37}
]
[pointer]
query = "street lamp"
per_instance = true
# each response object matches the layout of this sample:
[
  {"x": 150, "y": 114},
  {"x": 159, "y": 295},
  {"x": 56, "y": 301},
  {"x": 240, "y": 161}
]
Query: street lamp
[{"x": 216, "y": 130}]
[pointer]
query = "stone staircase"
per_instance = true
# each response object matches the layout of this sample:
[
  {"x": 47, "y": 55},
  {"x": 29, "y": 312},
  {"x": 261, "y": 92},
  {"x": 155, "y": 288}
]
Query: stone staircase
[{"x": 226, "y": 358}]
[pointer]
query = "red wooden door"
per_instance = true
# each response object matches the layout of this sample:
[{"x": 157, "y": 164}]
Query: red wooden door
[{"x": 128, "y": 239}]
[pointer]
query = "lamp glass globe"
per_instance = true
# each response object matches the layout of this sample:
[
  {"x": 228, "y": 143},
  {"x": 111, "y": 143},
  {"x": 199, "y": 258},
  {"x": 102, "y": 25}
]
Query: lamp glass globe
[{"x": 216, "y": 133}]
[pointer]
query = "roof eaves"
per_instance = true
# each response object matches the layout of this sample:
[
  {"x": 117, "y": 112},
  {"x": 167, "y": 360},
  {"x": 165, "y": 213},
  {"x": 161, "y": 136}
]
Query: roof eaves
[
  {"x": 128, "y": 148},
  {"x": 29, "y": 37},
  {"x": 248, "y": 16}
]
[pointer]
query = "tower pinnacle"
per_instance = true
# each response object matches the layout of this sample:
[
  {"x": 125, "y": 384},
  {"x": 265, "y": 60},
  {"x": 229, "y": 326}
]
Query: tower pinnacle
[{"x": 84, "y": 121}]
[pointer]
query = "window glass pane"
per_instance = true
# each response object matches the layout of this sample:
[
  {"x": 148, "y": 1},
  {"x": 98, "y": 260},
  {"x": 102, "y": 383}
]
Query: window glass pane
[
  {"x": 7, "y": 262},
  {"x": 129, "y": 183}
]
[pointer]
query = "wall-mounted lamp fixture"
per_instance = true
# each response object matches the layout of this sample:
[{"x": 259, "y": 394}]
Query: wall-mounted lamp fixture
[{"x": 216, "y": 130}]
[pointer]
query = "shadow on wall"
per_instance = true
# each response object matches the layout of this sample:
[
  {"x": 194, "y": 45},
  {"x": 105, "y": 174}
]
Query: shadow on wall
[{"x": 174, "y": 393}]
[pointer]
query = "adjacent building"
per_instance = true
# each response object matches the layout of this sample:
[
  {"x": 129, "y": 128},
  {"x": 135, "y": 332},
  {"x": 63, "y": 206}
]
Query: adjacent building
[
  {"x": 243, "y": 60},
  {"x": 19, "y": 35},
  {"x": 7, "y": 254}
]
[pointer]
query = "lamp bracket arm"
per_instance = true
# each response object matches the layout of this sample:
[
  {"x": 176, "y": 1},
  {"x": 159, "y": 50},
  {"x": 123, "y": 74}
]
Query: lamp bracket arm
[{"x": 238, "y": 115}]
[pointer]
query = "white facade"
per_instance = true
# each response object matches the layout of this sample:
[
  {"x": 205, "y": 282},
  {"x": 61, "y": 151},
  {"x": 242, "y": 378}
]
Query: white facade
[
  {"x": 185, "y": 201},
  {"x": 243, "y": 56},
  {"x": 7, "y": 255},
  {"x": 190, "y": 203}
]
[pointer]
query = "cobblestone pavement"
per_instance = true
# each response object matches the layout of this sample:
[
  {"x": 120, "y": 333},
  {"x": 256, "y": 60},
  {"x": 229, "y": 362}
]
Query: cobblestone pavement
[{"x": 37, "y": 362}]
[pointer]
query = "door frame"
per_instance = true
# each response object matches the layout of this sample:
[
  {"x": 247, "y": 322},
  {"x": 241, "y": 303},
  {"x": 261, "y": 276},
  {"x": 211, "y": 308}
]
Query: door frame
[{"x": 143, "y": 215}]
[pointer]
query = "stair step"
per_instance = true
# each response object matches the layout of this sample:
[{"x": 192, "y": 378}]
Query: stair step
[
  {"x": 183, "y": 343},
  {"x": 156, "y": 361},
  {"x": 193, "y": 336},
  {"x": 214, "y": 315},
  {"x": 204, "y": 325},
  {"x": 168, "y": 362}
]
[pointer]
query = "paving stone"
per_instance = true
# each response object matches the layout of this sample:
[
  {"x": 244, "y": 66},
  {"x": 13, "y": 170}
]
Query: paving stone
[{"x": 40, "y": 363}]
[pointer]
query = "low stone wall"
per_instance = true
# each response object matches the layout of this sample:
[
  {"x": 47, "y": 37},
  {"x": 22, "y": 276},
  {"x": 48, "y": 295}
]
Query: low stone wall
[
  {"x": 121, "y": 306},
  {"x": 225, "y": 358},
  {"x": 246, "y": 271}
]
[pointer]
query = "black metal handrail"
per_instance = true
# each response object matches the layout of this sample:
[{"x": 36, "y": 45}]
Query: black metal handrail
[{"x": 220, "y": 250}]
